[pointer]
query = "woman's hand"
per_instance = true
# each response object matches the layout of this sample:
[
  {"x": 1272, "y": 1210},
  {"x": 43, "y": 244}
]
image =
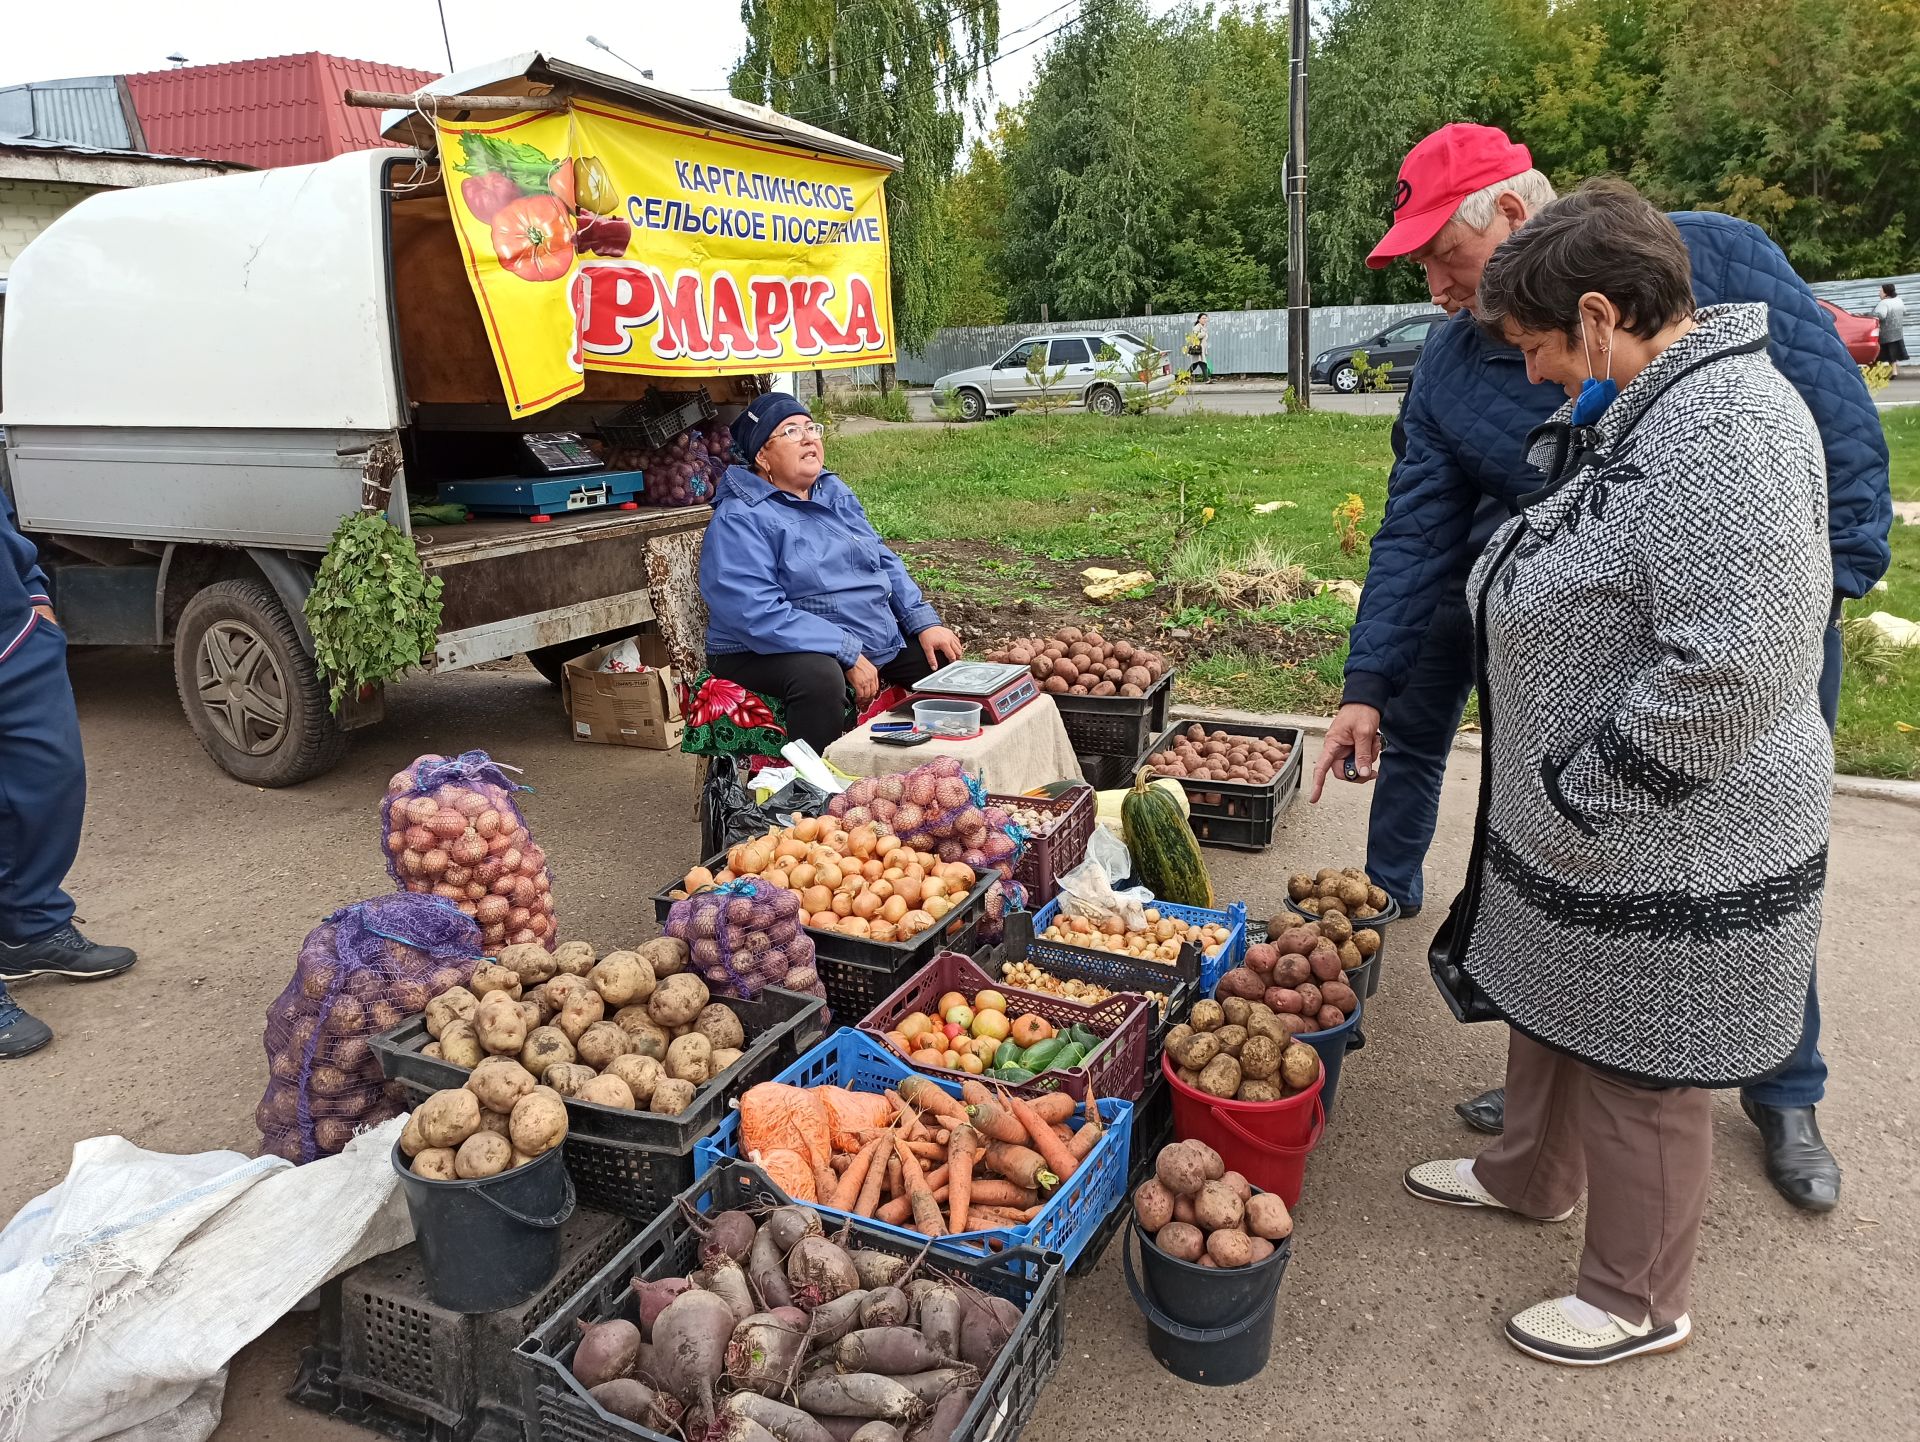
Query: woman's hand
[
  {"x": 864, "y": 679},
  {"x": 940, "y": 645},
  {"x": 1353, "y": 739}
]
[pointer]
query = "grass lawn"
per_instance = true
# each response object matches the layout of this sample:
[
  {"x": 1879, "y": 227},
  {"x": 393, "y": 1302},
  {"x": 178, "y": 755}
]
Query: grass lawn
[{"x": 997, "y": 520}]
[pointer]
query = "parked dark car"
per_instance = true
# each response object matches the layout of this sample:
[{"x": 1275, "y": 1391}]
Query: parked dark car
[
  {"x": 1400, "y": 344},
  {"x": 1860, "y": 334}
]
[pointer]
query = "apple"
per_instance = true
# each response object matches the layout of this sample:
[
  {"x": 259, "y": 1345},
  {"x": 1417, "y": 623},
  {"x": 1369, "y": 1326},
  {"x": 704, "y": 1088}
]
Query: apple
[
  {"x": 960, "y": 1016},
  {"x": 952, "y": 1029}
]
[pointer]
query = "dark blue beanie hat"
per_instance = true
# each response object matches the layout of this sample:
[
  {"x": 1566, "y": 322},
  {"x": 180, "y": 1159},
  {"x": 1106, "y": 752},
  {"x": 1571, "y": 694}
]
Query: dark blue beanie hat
[{"x": 754, "y": 426}]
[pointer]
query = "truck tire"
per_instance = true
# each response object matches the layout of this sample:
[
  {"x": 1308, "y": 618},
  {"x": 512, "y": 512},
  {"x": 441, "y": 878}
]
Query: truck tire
[{"x": 251, "y": 693}]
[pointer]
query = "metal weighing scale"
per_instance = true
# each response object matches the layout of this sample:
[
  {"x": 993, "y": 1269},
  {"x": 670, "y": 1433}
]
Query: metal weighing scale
[
  {"x": 1001, "y": 689},
  {"x": 555, "y": 484}
]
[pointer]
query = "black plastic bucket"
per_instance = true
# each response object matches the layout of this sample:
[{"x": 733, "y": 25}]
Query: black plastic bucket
[
  {"x": 491, "y": 1242},
  {"x": 1333, "y": 1044},
  {"x": 1207, "y": 1297},
  {"x": 1218, "y": 1356}
]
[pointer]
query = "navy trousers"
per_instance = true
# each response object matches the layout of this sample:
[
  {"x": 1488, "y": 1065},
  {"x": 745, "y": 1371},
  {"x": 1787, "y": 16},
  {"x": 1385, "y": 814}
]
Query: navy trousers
[
  {"x": 1419, "y": 726},
  {"x": 43, "y": 786}
]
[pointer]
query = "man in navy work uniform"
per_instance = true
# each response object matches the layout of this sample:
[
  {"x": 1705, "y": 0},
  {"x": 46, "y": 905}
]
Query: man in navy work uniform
[
  {"x": 1459, "y": 468},
  {"x": 43, "y": 795}
]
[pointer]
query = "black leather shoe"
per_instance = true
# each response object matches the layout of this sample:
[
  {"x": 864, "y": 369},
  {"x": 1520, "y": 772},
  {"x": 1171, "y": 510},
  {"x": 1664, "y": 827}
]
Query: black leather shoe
[
  {"x": 62, "y": 953},
  {"x": 1486, "y": 1112},
  {"x": 20, "y": 1033},
  {"x": 1798, "y": 1163}
]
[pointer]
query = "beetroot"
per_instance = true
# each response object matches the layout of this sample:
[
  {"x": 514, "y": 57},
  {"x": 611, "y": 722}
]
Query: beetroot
[
  {"x": 726, "y": 1280},
  {"x": 940, "y": 1314},
  {"x": 819, "y": 1271},
  {"x": 931, "y": 1386},
  {"x": 833, "y": 1320},
  {"x": 728, "y": 1234},
  {"x": 880, "y": 1269},
  {"x": 890, "y": 1351},
  {"x": 767, "y": 1270},
  {"x": 885, "y": 1307},
  {"x": 789, "y": 1424},
  {"x": 861, "y": 1394},
  {"x": 877, "y": 1431},
  {"x": 985, "y": 1326},
  {"x": 635, "y": 1401},
  {"x": 654, "y": 1298},
  {"x": 690, "y": 1351},
  {"x": 764, "y": 1353},
  {"x": 945, "y": 1418},
  {"x": 607, "y": 1351}
]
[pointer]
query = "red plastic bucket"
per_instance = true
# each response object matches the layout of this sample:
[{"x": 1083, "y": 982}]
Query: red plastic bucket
[{"x": 1266, "y": 1142}]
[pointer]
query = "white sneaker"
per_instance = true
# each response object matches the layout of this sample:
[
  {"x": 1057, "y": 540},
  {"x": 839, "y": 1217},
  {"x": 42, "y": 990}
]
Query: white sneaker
[
  {"x": 1574, "y": 1333},
  {"x": 1452, "y": 1184}
]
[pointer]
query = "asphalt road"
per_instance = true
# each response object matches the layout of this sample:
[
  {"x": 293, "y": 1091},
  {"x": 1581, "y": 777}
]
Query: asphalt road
[{"x": 1390, "y": 1313}]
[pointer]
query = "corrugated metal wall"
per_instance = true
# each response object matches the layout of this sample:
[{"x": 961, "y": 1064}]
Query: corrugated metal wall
[{"x": 83, "y": 111}]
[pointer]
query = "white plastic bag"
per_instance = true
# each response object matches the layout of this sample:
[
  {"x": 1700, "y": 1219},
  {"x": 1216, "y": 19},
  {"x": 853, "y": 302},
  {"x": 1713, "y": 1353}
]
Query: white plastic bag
[
  {"x": 1087, "y": 892},
  {"x": 623, "y": 656},
  {"x": 127, "y": 1288}
]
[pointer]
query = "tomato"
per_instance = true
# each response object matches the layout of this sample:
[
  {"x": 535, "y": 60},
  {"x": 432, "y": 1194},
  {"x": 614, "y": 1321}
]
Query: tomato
[
  {"x": 486, "y": 194},
  {"x": 561, "y": 183},
  {"x": 533, "y": 237}
]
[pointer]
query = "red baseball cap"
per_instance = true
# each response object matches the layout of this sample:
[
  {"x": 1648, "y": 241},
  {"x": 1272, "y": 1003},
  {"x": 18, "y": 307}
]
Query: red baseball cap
[{"x": 1439, "y": 173}]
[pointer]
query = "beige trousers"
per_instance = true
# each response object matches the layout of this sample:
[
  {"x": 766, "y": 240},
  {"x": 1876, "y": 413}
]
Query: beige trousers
[{"x": 1641, "y": 1155}]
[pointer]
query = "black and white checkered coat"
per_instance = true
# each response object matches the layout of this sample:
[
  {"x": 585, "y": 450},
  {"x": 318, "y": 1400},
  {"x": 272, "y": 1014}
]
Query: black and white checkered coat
[{"x": 1652, "y": 843}]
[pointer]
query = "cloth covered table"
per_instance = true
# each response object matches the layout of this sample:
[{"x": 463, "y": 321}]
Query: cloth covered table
[{"x": 1028, "y": 749}]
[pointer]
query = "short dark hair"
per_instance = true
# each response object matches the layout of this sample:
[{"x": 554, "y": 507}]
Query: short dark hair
[
  {"x": 1604, "y": 237},
  {"x": 1887, "y": 288}
]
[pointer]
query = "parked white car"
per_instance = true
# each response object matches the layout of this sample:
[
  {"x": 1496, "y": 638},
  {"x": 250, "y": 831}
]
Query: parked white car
[{"x": 1001, "y": 385}]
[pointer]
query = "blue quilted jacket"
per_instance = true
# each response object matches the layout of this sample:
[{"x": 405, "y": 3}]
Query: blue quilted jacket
[{"x": 1460, "y": 450}]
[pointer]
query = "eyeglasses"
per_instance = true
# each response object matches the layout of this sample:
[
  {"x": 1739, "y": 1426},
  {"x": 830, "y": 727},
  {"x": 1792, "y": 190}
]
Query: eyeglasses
[{"x": 799, "y": 429}]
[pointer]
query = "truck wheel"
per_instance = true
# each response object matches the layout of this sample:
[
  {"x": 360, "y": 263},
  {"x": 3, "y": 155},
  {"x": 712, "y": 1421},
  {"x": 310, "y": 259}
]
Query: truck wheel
[{"x": 251, "y": 693}]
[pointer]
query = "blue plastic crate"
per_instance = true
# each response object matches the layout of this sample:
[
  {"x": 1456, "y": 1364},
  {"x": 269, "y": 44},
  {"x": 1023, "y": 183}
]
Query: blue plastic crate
[
  {"x": 1074, "y": 1213},
  {"x": 1214, "y": 965}
]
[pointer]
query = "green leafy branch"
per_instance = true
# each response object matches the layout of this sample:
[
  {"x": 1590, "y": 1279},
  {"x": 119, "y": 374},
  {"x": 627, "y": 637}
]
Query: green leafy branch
[{"x": 373, "y": 610}]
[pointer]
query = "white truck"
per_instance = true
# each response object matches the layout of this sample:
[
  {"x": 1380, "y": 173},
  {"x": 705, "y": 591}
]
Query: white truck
[{"x": 198, "y": 379}]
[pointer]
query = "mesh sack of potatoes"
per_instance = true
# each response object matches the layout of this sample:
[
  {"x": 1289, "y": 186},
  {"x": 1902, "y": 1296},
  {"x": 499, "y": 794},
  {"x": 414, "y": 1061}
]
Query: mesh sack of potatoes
[{"x": 745, "y": 936}]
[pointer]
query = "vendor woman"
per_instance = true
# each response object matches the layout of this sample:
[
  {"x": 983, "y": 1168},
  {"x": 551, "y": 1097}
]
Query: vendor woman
[{"x": 805, "y": 603}]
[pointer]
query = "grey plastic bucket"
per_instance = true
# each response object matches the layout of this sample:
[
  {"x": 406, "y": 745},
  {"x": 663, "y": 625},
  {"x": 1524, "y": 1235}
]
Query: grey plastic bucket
[{"x": 489, "y": 1243}]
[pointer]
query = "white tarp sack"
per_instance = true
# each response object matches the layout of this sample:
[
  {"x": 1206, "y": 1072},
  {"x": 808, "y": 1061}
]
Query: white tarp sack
[{"x": 126, "y": 1289}]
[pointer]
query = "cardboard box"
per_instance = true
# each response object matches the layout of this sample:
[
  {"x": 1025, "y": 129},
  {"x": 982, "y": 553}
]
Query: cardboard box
[{"x": 624, "y": 708}]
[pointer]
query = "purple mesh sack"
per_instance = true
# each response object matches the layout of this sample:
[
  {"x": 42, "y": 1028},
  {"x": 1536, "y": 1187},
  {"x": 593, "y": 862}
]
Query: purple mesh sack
[
  {"x": 683, "y": 472},
  {"x": 364, "y": 970},
  {"x": 746, "y": 936},
  {"x": 453, "y": 830}
]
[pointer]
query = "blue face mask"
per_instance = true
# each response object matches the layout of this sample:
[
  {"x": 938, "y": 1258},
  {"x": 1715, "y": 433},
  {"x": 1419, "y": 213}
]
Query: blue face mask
[{"x": 1597, "y": 394}]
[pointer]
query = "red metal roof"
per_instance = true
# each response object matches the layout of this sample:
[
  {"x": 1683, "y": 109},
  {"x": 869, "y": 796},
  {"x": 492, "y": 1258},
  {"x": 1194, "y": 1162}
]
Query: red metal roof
[{"x": 287, "y": 110}]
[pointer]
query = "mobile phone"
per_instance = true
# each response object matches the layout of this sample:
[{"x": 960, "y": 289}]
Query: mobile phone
[{"x": 902, "y": 738}]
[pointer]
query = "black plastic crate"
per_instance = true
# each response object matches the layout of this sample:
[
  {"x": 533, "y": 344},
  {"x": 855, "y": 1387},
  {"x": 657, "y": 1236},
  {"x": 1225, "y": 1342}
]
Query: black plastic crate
[
  {"x": 1107, "y": 773},
  {"x": 657, "y": 418},
  {"x": 1179, "y": 983},
  {"x": 1119, "y": 726},
  {"x": 1241, "y": 815},
  {"x": 389, "y": 1360},
  {"x": 1152, "y": 1130},
  {"x": 780, "y": 1025},
  {"x": 557, "y": 1408}
]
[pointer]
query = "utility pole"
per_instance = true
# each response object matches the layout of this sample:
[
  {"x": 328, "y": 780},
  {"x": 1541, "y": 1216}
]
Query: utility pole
[{"x": 1299, "y": 340}]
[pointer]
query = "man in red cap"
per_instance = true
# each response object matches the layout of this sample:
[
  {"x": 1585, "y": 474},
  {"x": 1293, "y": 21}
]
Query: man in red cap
[{"x": 1460, "y": 468}]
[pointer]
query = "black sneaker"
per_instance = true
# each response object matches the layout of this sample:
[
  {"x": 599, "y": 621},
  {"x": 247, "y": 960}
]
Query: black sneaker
[
  {"x": 19, "y": 1033},
  {"x": 62, "y": 953}
]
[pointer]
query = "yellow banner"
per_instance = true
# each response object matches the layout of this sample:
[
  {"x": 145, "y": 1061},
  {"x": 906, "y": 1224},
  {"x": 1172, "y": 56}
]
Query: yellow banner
[{"x": 599, "y": 239}]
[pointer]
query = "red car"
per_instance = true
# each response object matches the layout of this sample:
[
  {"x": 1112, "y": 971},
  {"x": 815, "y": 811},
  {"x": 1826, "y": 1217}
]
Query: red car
[{"x": 1860, "y": 334}]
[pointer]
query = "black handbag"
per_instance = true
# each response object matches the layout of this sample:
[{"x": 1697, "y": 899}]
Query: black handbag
[{"x": 1444, "y": 957}]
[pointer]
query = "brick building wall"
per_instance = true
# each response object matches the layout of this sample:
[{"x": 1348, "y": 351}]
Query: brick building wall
[{"x": 28, "y": 207}]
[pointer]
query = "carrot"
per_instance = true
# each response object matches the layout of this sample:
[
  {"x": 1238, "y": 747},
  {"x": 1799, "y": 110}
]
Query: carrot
[
  {"x": 992, "y": 1119},
  {"x": 826, "y": 1181},
  {"x": 962, "y": 1151},
  {"x": 927, "y": 1151},
  {"x": 974, "y": 1092},
  {"x": 902, "y": 1210},
  {"x": 853, "y": 1181},
  {"x": 942, "y": 1135},
  {"x": 1090, "y": 1131},
  {"x": 843, "y": 1160},
  {"x": 991, "y": 1192},
  {"x": 926, "y": 1211},
  {"x": 1061, "y": 1130},
  {"x": 1053, "y": 1107},
  {"x": 1060, "y": 1161},
  {"x": 928, "y": 1096},
  {"x": 895, "y": 1186},
  {"x": 996, "y": 1217},
  {"x": 876, "y": 1178},
  {"x": 910, "y": 1124},
  {"x": 1031, "y": 1212},
  {"x": 1021, "y": 1165}
]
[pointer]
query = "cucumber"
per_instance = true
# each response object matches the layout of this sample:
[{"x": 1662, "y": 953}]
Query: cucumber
[
  {"x": 1083, "y": 1037},
  {"x": 1070, "y": 1055},
  {"x": 1011, "y": 1074},
  {"x": 1007, "y": 1055},
  {"x": 1039, "y": 1056}
]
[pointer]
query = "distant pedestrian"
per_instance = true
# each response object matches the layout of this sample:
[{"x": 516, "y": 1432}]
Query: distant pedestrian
[
  {"x": 1197, "y": 366},
  {"x": 1892, "y": 313}
]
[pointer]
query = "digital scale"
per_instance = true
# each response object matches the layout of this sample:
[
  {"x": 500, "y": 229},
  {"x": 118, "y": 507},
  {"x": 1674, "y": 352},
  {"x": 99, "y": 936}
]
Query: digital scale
[
  {"x": 542, "y": 497},
  {"x": 1001, "y": 689},
  {"x": 558, "y": 453}
]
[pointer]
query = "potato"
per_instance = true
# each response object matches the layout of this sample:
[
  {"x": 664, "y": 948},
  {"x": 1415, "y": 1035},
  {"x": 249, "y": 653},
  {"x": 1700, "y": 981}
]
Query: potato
[
  {"x": 456, "y": 1004},
  {"x": 484, "y": 1154},
  {"x": 1339, "y": 994},
  {"x": 1207, "y": 1015},
  {"x": 556, "y": 991},
  {"x": 1260, "y": 1249},
  {"x": 1367, "y": 943},
  {"x": 1181, "y": 1240},
  {"x": 436, "y": 1165},
  {"x": 1238, "y": 1185},
  {"x": 1335, "y": 928},
  {"x": 411, "y": 1142},
  {"x": 499, "y": 1082},
  {"x": 641, "y": 1074},
  {"x": 724, "y": 1057},
  {"x": 460, "y": 1044},
  {"x": 622, "y": 979},
  {"x": 718, "y": 1024},
  {"x": 690, "y": 1058},
  {"x": 1330, "y": 1017},
  {"x": 1231, "y": 1038},
  {"x": 491, "y": 977},
  {"x": 1152, "y": 1205},
  {"x": 530, "y": 961},
  {"x": 1299, "y": 1065},
  {"x": 671, "y": 1097},
  {"x": 1175, "y": 1036},
  {"x": 539, "y": 1122},
  {"x": 1285, "y": 1000},
  {"x": 1300, "y": 886},
  {"x": 1188, "y": 1076},
  {"x": 1265, "y": 1022},
  {"x": 1267, "y": 1217},
  {"x": 601, "y": 1043},
  {"x": 667, "y": 955},
  {"x": 547, "y": 1046},
  {"x": 1241, "y": 981},
  {"x": 568, "y": 1077},
  {"x": 448, "y": 1118},
  {"x": 647, "y": 1039},
  {"x": 495, "y": 1122},
  {"x": 520, "y": 1159},
  {"x": 1311, "y": 999},
  {"x": 1181, "y": 1169},
  {"x": 583, "y": 1009},
  {"x": 1237, "y": 1009},
  {"x": 1230, "y": 1247},
  {"x": 1350, "y": 957},
  {"x": 1260, "y": 1058},
  {"x": 431, "y": 1049},
  {"x": 1293, "y": 969},
  {"x": 1198, "y": 1050},
  {"x": 1221, "y": 1076},
  {"x": 678, "y": 1000},
  {"x": 607, "y": 1091},
  {"x": 1255, "y": 1090},
  {"x": 573, "y": 958},
  {"x": 1218, "y": 1207},
  {"x": 1296, "y": 1025},
  {"x": 1324, "y": 960},
  {"x": 1211, "y": 1161},
  {"x": 501, "y": 1027}
]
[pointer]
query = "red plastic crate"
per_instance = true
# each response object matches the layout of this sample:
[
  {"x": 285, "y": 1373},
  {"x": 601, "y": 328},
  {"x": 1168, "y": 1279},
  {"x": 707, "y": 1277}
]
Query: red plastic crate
[
  {"x": 1060, "y": 848},
  {"x": 1117, "y": 1068}
]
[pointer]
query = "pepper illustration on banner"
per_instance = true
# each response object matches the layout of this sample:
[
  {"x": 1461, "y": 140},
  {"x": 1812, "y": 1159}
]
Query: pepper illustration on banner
[{"x": 602, "y": 239}]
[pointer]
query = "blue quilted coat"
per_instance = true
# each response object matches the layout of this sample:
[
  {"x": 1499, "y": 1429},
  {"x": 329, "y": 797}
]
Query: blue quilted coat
[{"x": 1460, "y": 450}]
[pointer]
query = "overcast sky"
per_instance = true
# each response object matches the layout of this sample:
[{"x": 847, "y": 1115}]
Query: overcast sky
[{"x": 690, "y": 44}]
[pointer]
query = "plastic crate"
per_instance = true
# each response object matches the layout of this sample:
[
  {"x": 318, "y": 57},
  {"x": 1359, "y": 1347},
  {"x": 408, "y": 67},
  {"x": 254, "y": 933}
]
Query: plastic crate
[
  {"x": 780, "y": 1026},
  {"x": 1241, "y": 815},
  {"x": 1213, "y": 964},
  {"x": 1117, "y": 726},
  {"x": 1107, "y": 773},
  {"x": 1179, "y": 983},
  {"x": 1060, "y": 848},
  {"x": 1117, "y": 1067},
  {"x": 389, "y": 1360},
  {"x": 657, "y": 418},
  {"x": 1152, "y": 1130},
  {"x": 558, "y": 1409},
  {"x": 1073, "y": 1214}
]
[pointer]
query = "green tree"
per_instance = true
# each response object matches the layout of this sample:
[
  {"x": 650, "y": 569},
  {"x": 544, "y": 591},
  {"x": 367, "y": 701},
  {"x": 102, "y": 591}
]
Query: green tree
[
  {"x": 893, "y": 74},
  {"x": 976, "y": 207}
]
